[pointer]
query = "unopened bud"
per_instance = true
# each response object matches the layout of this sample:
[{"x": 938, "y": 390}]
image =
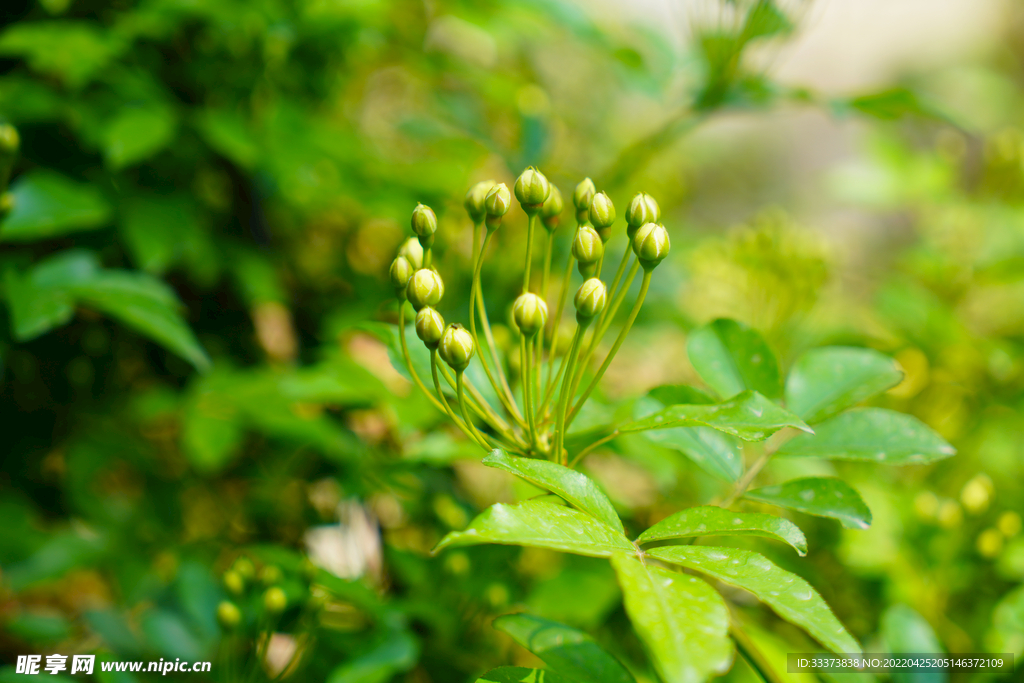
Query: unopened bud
[
  {"x": 270, "y": 575},
  {"x": 234, "y": 582},
  {"x": 590, "y": 299},
  {"x": 602, "y": 211},
  {"x": 552, "y": 209},
  {"x": 425, "y": 288},
  {"x": 245, "y": 568},
  {"x": 228, "y": 615},
  {"x": 424, "y": 221},
  {"x": 9, "y": 143},
  {"x": 456, "y": 348},
  {"x": 274, "y": 600},
  {"x": 643, "y": 209},
  {"x": 400, "y": 273},
  {"x": 587, "y": 249},
  {"x": 475, "y": 197},
  {"x": 530, "y": 313},
  {"x": 412, "y": 250},
  {"x": 651, "y": 245},
  {"x": 496, "y": 204},
  {"x": 583, "y": 194},
  {"x": 531, "y": 189},
  {"x": 429, "y": 327}
]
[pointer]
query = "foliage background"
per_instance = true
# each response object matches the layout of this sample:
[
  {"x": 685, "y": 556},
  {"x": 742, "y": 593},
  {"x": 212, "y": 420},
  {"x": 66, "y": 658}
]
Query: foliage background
[{"x": 209, "y": 195}]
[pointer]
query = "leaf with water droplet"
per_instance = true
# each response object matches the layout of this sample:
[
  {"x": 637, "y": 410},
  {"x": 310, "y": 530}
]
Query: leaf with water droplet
[
  {"x": 790, "y": 596},
  {"x": 825, "y": 381},
  {"x": 541, "y": 525},
  {"x": 710, "y": 520},
  {"x": 873, "y": 434},
  {"x": 820, "y": 496},
  {"x": 732, "y": 357}
]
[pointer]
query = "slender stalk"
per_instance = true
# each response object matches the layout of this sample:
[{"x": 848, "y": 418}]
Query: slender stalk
[
  {"x": 644, "y": 285},
  {"x": 613, "y": 290},
  {"x": 483, "y": 409},
  {"x": 752, "y": 654},
  {"x": 548, "y": 249},
  {"x": 465, "y": 410},
  {"x": 591, "y": 447},
  {"x": 549, "y": 392},
  {"x": 773, "y": 444},
  {"x": 531, "y": 226},
  {"x": 538, "y": 342},
  {"x": 428, "y": 256},
  {"x": 525, "y": 353},
  {"x": 566, "y": 279},
  {"x": 563, "y": 397},
  {"x": 408, "y": 358},
  {"x": 448, "y": 409},
  {"x": 501, "y": 387},
  {"x": 606, "y": 317}
]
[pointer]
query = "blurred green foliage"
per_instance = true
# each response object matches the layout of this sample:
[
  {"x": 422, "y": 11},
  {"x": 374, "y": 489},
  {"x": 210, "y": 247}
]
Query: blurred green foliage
[{"x": 195, "y": 374}]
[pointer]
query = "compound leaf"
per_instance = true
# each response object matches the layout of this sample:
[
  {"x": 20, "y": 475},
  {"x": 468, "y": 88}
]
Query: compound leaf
[
  {"x": 542, "y": 525},
  {"x": 711, "y": 520},
  {"x": 821, "y": 496},
  {"x": 789, "y": 595}
]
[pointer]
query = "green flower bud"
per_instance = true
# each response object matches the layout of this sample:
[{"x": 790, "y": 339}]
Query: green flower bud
[
  {"x": 643, "y": 209},
  {"x": 602, "y": 211},
  {"x": 552, "y": 209},
  {"x": 651, "y": 245},
  {"x": 587, "y": 247},
  {"x": 244, "y": 567},
  {"x": 590, "y": 299},
  {"x": 425, "y": 288},
  {"x": 234, "y": 582},
  {"x": 530, "y": 313},
  {"x": 424, "y": 222},
  {"x": 456, "y": 347},
  {"x": 270, "y": 575},
  {"x": 9, "y": 143},
  {"x": 532, "y": 189},
  {"x": 400, "y": 274},
  {"x": 412, "y": 251},
  {"x": 584, "y": 194},
  {"x": 228, "y": 615},
  {"x": 475, "y": 197},
  {"x": 6, "y": 204},
  {"x": 429, "y": 327},
  {"x": 496, "y": 204},
  {"x": 274, "y": 600}
]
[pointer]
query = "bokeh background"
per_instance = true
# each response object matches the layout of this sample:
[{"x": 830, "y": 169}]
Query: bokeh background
[{"x": 195, "y": 302}]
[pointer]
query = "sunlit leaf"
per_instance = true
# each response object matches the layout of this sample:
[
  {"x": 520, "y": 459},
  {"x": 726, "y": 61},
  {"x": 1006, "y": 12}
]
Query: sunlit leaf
[
  {"x": 825, "y": 381},
  {"x": 517, "y": 674},
  {"x": 683, "y": 621},
  {"x": 873, "y": 434},
  {"x": 710, "y": 520},
  {"x": 820, "y": 496},
  {"x": 72, "y": 50},
  {"x": 47, "y": 205},
  {"x": 749, "y": 416},
  {"x": 566, "y": 650},
  {"x": 137, "y": 133},
  {"x": 575, "y": 487},
  {"x": 790, "y": 596},
  {"x": 541, "y": 525},
  {"x": 731, "y": 357}
]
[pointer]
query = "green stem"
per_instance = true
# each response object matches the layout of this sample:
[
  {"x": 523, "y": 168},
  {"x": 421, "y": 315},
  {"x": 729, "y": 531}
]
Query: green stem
[
  {"x": 591, "y": 447},
  {"x": 525, "y": 352},
  {"x": 501, "y": 387},
  {"x": 531, "y": 225},
  {"x": 644, "y": 285},
  {"x": 773, "y": 444},
  {"x": 555, "y": 322},
  {"x": 448, "y": 409},
  {"x": 408, "y": 358},
  {"x": 465, "y": 411},
  {"x": 613, "y": 290},
  {"x": 563, "y": 397},
  {"x": 483, "y": 409}
]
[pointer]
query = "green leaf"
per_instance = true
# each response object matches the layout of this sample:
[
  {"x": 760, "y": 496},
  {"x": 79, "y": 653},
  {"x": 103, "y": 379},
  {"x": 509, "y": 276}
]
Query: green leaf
[
  {"x": 731, "y": 357},
  {"x": 517, "y": 674},
  {"x": 710, "y": 520},
  {"x": 35, "y": 310},
  {"x": 749, "y": 416},
  {"x": 158, "y": 230},
  {"x": 541, "y": 525},
  {"x": 821, "y": 496},
  {"x": 790, "y": 596},
  {"x": 137, "y": 133},
  {"x": 229, "y": 134},
  {"x": 894, "y": 104},
  {"x": 396, "y": 654},
  {"x": 683, "y": 622},
  {"x": 825, "y": 381},
  {"x": 575, "y": 487},
  {"x": 716, "y": 453},
  {"x": 47, "y": 205},
  {"x": 145, "y": 303},
  {"x": 567, "y": 650},
  {"x": 765, "y": 20},
  {"x": 873, "y": 434}
]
